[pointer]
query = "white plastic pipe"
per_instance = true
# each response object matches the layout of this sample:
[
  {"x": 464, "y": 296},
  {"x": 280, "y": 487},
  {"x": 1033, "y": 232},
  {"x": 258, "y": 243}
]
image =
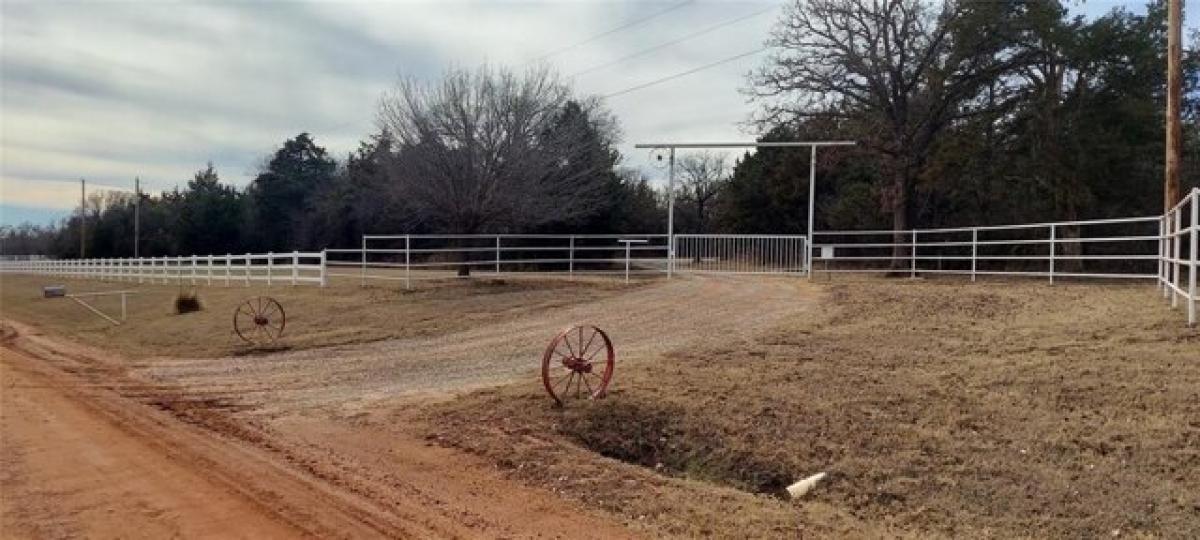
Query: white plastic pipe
[{"x": 799, "y": 489}]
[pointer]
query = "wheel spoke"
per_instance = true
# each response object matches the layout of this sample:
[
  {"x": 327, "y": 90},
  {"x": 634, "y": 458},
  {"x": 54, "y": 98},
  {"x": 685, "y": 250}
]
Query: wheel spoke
[
  {"x": 589, "y": 343},
  {"x": 570, "y": 377},
  {"x": 567, "y": 339},
  {"x": 589, "y": 385}
]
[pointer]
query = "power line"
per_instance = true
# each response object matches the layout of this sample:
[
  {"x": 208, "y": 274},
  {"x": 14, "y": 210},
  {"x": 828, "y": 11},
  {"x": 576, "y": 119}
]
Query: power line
[
  {"x": 609, "y": 32},
  {"x": 683, "y": 74},
  {"x": 673, "y": 42}
]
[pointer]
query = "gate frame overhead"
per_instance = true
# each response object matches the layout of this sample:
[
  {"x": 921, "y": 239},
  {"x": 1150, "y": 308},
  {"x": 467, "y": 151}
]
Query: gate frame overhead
[{"x": 812, "y": 183}]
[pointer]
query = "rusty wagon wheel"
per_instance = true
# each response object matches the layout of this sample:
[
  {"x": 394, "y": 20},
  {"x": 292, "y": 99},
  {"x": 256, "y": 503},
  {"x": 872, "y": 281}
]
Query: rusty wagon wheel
[
  {"x": 259, "y": 320},
  {"x": 579, "y": 356}
]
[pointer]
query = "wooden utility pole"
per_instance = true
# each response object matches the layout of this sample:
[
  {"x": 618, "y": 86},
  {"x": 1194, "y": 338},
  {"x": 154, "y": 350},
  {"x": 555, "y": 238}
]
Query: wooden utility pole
[{"x": 1174, "y": 156}]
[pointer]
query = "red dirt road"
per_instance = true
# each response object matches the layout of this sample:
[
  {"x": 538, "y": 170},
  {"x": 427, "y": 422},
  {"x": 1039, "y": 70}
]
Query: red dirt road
[
  {"x": 87, "y": 450},
  {"x": 71, "y": 469}
]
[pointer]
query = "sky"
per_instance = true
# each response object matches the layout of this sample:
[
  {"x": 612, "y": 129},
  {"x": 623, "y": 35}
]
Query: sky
[{"x": 111, "y": 90}]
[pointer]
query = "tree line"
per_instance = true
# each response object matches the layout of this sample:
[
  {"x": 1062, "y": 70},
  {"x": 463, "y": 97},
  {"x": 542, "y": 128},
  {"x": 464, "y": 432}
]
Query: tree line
[{"x": 965, "y": 113}]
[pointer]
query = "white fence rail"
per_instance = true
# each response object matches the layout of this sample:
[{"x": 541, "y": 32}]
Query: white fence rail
[
  {"x": 1180, "y": 249},
  {"x": 293, "y": 268},
  {"x": 1161, "y": 248},
  {"x": 413, "y": 257}
]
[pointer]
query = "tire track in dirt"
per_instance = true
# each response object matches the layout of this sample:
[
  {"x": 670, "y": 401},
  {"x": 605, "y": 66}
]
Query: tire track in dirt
[
  {"x": 89, "y": 450},
  {"x": 643, "y": 322}
]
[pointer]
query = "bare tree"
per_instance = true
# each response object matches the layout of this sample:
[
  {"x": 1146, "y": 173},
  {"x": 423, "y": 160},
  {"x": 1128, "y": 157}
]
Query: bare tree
[
  {"x": 896, "y": 72},
  {"x": 702, "y": 177},
  {"x": 491, "y": 150}
]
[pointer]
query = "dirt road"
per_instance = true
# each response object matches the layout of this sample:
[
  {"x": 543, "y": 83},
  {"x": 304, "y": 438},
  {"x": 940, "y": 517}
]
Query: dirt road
[
  {"x": 317, "y": 442},
  {"x": 643, "y": 323},
  {"x": 87, "y": 450}
]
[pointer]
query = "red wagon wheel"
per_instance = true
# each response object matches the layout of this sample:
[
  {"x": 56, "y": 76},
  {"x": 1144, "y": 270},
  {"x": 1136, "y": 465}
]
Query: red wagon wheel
[
  {"x": 578, "y": 363},
  {"x": 259, "y": 321}
]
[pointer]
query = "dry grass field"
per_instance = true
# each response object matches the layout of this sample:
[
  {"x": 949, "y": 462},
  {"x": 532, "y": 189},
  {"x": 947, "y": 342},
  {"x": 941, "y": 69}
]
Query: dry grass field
[
  {"x": 341, "y": 314},
  {"x": 937, "y": 408}
]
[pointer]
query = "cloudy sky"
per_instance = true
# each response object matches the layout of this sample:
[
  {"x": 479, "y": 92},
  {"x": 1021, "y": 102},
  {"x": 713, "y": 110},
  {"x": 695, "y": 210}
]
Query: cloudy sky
[{"x": 112, "y": 90}]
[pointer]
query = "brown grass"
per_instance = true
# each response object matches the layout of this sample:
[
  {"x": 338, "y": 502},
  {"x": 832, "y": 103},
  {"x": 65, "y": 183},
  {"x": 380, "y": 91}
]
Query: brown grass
[
  {"x": 340, "y": 314},
  {"x": 937, "y": 408}
]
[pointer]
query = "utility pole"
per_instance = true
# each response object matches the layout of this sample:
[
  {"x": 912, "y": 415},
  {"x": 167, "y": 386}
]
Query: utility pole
[
  {"x": 82, "y": 217},
  {"x": 671, "y": 214},
  {"x": 1174, "y": 155},
  {"x": 137, "y": 207}
]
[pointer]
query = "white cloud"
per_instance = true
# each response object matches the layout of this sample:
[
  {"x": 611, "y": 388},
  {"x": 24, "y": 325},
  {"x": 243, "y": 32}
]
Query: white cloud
[{"x": 112, "y": 90}]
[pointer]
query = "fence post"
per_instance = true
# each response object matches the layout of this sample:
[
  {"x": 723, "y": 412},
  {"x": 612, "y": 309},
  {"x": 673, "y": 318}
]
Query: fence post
[
  {"x": 228, "y": 263},
  {"x": 270, "y": 266},
  {"x": 362, "y": 279},
  {"x": 1162, "y": 253},
  {"x": 324, "y": 257},
  {"x": 914, "y": 254},
  {"x": 295, "y": 266},
  {"x": 974, "y": 251},
  {"x": 1178, "y": 259},
  {"x": 407, "y": 261},
  {"x": 1195, "y": 259},
  {"x": 627, "y": 244},
  {"x": 497, "y": 254},
  {"x": 571, "y": 257},
  {"x": 247, "y": 269},
  {"x": 1053, "y": 235},
  {"x": 210, "y": 265}
]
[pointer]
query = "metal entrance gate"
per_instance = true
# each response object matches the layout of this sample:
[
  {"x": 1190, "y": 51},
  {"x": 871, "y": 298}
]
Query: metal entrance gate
[{"x": 740, "y": 254}]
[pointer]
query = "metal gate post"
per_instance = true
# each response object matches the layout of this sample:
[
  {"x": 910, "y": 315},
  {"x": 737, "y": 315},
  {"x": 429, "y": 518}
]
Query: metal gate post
[
  {"x": 497, "y": 254},
  {"x": 407, "y": 261},
  {"x": 270, "y": 266},
  {"x": 295, "y": 266},
  {"x": 571, "y": 257}
]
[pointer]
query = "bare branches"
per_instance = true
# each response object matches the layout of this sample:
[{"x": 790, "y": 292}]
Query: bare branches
[
  {"x": 702, "y": 178},
  {"x": 491, "y": 149}
]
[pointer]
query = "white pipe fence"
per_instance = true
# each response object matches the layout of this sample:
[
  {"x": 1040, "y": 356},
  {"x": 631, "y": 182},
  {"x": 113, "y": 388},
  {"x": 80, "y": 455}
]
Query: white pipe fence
[
  {"x": 1180, "y": 249},
  {"x": 1163, "y": 248},
  {"x": 412, "y": 257},
  {"x": 294, "y": 268}
]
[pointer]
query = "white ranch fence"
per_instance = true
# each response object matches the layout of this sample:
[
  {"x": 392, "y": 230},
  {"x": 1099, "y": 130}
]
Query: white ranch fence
[
  {"x": 414, "y": 257},
  {"x": 1161, "y": 248},
  {"x": 295, "y": 268}
]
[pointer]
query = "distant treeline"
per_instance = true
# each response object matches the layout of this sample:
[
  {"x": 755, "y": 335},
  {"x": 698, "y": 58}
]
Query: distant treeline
[{"x": 966, "y": 113}]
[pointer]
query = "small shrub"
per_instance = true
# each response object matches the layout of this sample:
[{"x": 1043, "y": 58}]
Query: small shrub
[{"x": 187, "y": 302}]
